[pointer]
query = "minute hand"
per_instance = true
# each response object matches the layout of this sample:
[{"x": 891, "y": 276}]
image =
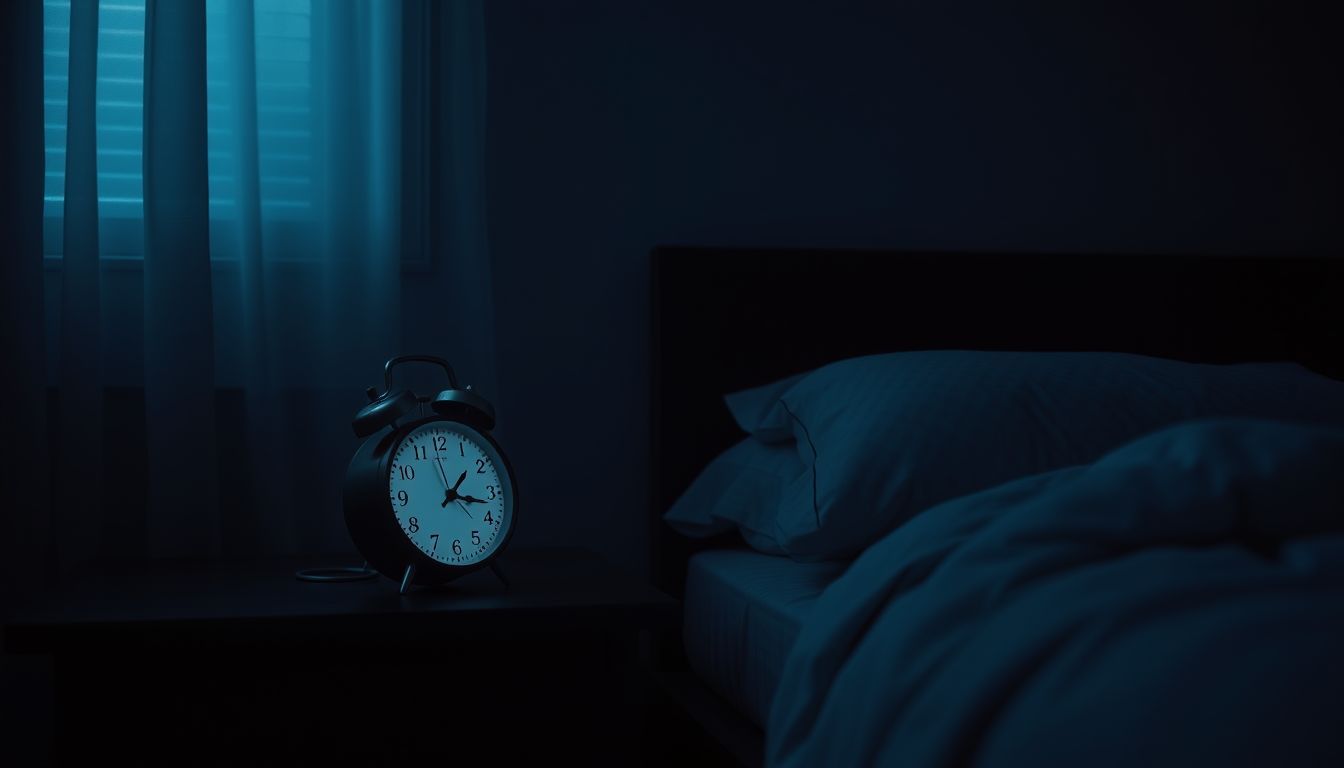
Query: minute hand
[{"x": 472, "y": 500}]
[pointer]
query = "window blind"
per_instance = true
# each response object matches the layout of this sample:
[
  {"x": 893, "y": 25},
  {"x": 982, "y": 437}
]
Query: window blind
[{"x": 283, "y": 50}]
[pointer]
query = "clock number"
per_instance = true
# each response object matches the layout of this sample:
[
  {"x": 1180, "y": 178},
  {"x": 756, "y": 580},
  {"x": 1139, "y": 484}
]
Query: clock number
[
  {"x": 435, "y": 538},
  {"x": 421, "y": 452},
  {"x": 408, "y": 473},
  {"x": 403, "y": 497},
  {"x": 440, "y": 443},
  {"x": 457, "y": 547},
  {"x": 480, "y": 466},
  {"x": 460, "y": 450},
  {"x": 491, "y": 490},
  {"x": 415, "y": 525},
  {"x": 489, "y": 519},
  {"x": 476, "y": 538}
]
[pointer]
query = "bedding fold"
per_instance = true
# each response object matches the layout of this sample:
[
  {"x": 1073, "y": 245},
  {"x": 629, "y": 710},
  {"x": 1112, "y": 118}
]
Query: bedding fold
[{"x": 1179, "y": 601}]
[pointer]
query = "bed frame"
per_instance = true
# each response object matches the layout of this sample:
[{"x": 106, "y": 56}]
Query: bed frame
[{"x": 725, "y": 319}]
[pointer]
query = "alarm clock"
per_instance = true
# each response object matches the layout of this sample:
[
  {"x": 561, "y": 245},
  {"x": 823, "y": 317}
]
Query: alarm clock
[{"x": 428, "y": 498}]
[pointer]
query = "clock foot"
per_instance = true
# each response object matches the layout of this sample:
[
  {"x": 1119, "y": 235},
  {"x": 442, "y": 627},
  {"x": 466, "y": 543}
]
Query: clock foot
[
  {"x": 407, "y": 578},
  {"x": 499, "y": 574}
]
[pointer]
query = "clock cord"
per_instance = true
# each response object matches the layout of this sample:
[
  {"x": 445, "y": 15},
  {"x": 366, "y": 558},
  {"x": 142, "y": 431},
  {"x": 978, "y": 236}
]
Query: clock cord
[{"x": 331, "y": 575}]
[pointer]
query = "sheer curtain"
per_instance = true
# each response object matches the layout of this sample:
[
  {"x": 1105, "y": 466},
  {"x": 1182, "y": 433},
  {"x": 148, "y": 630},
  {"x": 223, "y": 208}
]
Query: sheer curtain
[
  {"x": 236, "y": 192},
  {"x": 305, "y": 126}
]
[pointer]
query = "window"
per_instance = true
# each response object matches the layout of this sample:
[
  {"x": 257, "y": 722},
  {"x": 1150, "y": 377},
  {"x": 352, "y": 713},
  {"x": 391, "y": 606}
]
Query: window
[
  {"x": 284, "y": 112},
  {"x": 119, "y": 95}
]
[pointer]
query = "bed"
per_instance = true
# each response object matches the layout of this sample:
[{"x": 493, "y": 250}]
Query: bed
[
  {"x": 747, "y": 609},
  {"x": 724, "y": 320}
]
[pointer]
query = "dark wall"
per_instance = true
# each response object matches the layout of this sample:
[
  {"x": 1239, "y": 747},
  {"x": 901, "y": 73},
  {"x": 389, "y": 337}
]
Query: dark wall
[{"x": 1078, "y": 127}]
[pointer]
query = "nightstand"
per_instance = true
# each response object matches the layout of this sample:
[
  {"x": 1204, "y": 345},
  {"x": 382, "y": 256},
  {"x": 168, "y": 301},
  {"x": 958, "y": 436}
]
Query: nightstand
[{"x": 182, "y": 660}]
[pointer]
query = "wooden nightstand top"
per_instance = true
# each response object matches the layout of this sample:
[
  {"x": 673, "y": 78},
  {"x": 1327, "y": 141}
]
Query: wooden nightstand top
[{"x": 261, "y": 604}]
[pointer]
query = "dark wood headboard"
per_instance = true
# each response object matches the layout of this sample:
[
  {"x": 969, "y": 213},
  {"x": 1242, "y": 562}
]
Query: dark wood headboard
[{"x": 725, "y": 319}]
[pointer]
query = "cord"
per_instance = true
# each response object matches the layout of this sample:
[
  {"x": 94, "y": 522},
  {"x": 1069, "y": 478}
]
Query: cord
[{"x": 338, "y": 574}]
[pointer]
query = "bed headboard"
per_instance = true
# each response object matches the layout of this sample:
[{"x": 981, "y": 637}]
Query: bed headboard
[{"x": 725, "y": 319}]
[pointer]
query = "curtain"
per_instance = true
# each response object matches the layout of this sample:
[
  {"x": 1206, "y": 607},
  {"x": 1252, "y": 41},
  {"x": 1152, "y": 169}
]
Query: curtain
[
  {"x": 305, "y": 184},
  {"x": 25, "y": 551},
  {"x": 182, "y": 514}
]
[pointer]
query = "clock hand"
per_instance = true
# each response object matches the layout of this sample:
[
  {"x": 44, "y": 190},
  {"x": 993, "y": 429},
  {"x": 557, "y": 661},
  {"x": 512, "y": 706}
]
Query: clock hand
[
  {"x": 449, "y": 493},
  {"x": 464, "y": 509},
  {"x": 472, "y": 500}
]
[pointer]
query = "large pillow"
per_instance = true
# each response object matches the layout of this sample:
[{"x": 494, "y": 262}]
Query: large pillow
[{"x": 878, "y": 439}]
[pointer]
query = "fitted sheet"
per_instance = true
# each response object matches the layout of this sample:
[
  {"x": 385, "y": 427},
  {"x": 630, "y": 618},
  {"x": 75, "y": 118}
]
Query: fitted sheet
[{"x": 743, "y": 611}]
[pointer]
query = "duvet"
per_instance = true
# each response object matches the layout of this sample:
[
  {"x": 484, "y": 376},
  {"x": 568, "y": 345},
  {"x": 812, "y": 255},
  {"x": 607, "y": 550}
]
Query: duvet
[{"x": 1178, "y": 602}]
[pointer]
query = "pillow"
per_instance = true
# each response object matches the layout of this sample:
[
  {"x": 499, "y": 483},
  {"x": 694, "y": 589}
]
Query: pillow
[
  {"x": 881, "y": 438},
  {"x": 742, "y": 489}
]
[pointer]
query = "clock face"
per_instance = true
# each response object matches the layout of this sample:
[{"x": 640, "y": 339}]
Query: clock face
[{"x": 451, "y": 493}]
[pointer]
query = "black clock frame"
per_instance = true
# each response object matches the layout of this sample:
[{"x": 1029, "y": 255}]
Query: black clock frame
[{"x": 372, "y": 521}]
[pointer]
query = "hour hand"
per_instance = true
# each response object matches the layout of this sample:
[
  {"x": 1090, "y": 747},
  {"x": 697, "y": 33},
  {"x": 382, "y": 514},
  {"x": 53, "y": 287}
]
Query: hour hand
[{"x": 460, "y": 478}]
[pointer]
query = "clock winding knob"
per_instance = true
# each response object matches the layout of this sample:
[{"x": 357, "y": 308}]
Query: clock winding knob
[{"x": 383, "y": 411}]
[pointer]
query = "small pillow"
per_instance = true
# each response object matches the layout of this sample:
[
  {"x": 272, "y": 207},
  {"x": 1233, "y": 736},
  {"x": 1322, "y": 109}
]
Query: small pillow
[
  {"x": 742, "y": 488},
  {"x": 883, "y": 437}
]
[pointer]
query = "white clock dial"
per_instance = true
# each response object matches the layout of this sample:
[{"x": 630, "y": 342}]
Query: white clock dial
[{"x": 451, "y": 493}]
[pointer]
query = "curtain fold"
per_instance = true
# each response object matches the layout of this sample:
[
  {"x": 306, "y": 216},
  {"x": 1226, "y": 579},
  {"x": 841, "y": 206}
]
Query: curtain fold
[
  {"x": 357, "y": 101},
  {"x": 259, "y": 524},
  {"x": 183, "y": 513},
  {"x": 80, "y": 403},
  {"x": 458, "y": 133}
]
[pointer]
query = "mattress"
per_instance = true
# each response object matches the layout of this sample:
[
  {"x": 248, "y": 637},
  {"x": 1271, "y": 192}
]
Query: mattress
[{"x": 743, "y": 611}]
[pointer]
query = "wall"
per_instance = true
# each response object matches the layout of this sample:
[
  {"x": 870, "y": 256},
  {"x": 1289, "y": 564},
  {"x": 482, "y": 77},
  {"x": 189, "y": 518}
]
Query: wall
[{"x": 616, "y": 126}]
